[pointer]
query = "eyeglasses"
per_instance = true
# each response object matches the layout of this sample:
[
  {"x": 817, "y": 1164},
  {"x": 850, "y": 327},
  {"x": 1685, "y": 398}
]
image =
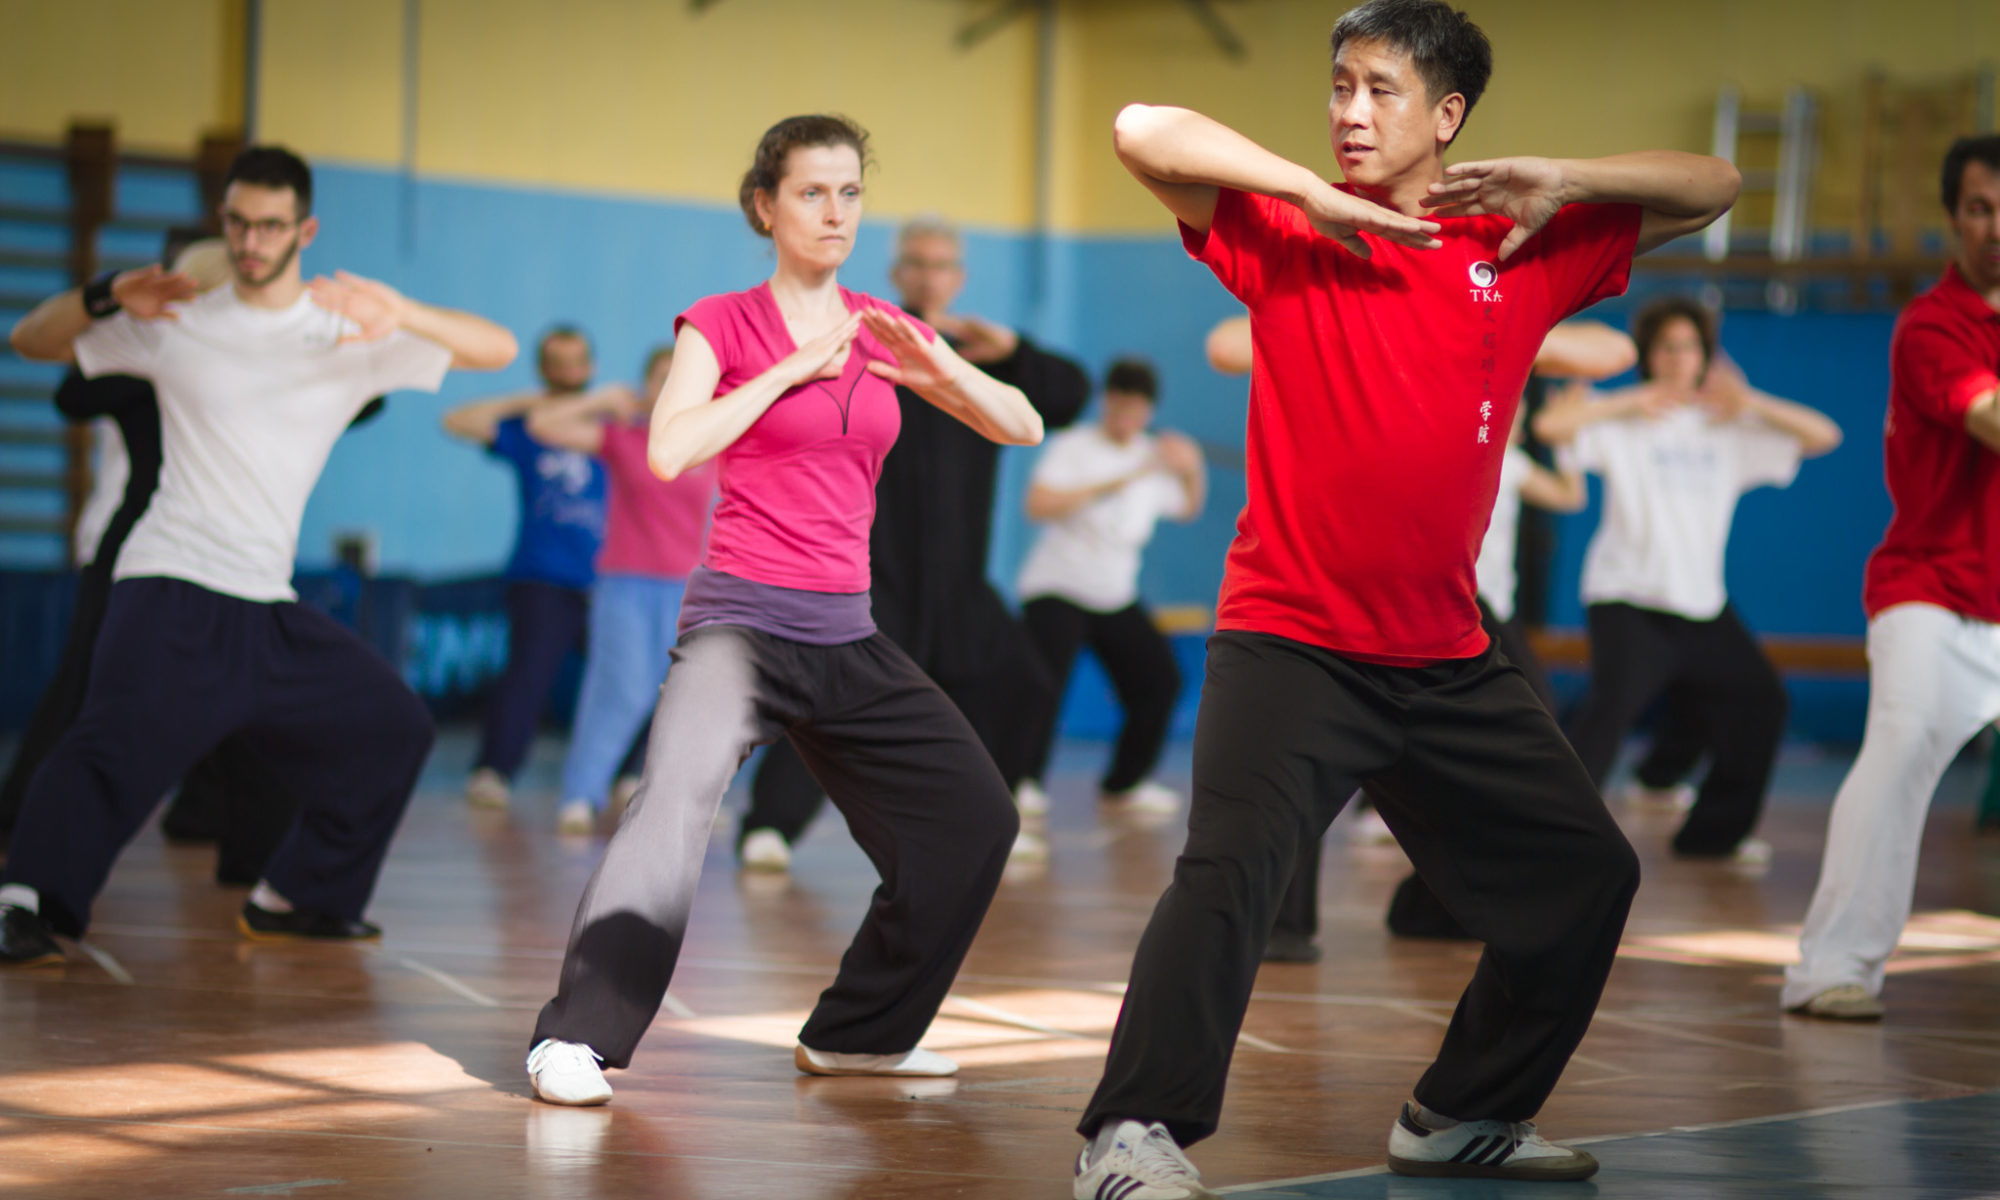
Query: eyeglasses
[
  {"x": 236, "y": 225},
  {"x": 929, "y": 264}
]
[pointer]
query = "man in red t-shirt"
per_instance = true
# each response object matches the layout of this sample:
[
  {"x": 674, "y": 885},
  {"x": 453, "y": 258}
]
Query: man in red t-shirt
[
  {"x": 1390, "y": 351},
  {"x": 1933, "y": 601}
]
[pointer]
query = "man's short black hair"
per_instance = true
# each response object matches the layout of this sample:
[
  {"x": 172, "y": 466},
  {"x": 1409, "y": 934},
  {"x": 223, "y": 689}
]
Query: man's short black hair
[
  {"x": 1133, "y": 376},
  {"x": 1984, "y": 150},
  {"x": 1451, "y": 54},
  {"x": 274, "y": 167},
  {"x": 564, "y": 332}
]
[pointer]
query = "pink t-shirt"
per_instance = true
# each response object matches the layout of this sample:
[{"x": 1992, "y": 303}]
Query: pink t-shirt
[
  {"x": 798, "y": 488},
  {"x": 654, "y": 527}
]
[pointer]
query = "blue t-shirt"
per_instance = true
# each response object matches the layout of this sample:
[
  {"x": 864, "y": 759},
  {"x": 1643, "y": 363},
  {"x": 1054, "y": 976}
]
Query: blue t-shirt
[{"x": 562, "y": 508}]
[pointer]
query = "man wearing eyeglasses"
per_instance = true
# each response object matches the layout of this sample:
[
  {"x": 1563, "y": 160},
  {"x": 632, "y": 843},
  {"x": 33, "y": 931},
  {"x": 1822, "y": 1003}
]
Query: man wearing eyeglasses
[{"x": 203, "y": 637}]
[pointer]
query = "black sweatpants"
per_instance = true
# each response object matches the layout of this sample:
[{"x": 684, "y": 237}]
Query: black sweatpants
[
  {"x": 986, "y": 665},
  {"x": 544, "y": 623},
  {"x": 1487, "y": 799},
  {"x": 1720, "y": 684},
  {"x": 1415, "y": 910},
  {"x": 1140, "y": 662},
  {"x": 178, "y": 669},
  {"x": 920, "y": 795}
]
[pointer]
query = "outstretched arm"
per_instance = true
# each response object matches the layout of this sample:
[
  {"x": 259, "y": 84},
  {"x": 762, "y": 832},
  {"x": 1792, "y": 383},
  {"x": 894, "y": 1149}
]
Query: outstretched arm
[
  {"x": 1680, "y": 192},
  {"x": 691, "y": 424},
  {"x": 996, "y": 411},
  {"x": 49, "y": 332},
  {"x": 480, "y": 420},
  {"x": 1728, "y": 394},
  {"x": 1584, "y": 350},
  {"x": 1229, "y": 347},
  {"x": 577, "y": 422},
  {"x": 1555, "y": 491},
  {"x": 1184, "y": 159},
  {"x": 1567, "y": 412},
  {"x": 476, "y": 344}
]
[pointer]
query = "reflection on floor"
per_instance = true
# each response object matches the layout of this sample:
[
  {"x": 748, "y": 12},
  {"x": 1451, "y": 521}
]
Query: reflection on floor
[{"x": 183, "y": 1061}]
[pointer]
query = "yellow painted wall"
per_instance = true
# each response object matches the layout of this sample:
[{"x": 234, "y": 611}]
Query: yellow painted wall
[
  {"x": 646, "y": 97},
  {"x": 165, "y": 72}
]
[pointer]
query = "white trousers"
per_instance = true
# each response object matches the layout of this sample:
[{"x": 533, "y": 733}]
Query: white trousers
[{"x": 1933, "y": 682}]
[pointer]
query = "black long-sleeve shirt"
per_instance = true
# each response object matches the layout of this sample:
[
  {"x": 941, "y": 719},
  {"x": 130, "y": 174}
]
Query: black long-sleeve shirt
[{"x": 934, "y": 510}]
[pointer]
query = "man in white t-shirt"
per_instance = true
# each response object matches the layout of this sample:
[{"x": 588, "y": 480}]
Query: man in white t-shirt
[
  {"x": 1676, "y": 452},
  {"x": 203, "y": 637},
  {"x": 1099, "y": 490}
]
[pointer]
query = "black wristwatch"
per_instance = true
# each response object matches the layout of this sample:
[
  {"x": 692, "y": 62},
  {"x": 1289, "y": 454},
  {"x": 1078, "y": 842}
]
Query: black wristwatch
[{"x": 97, "y": 298}]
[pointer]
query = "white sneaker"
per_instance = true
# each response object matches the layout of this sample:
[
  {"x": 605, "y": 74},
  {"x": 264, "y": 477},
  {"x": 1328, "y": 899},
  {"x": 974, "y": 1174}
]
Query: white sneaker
[
  {"x": 1843, "y": 1002},
  {"x": 1031, "y": 799},
  {"x": 1369, "y": 829},
  {"x": 1752, "y": 852},
  {"x": 566, "y": 1073},
  {"x": 1143, "y": 1163},
  {"x": 576, "y": 819},
  {"x": 1482, "y": 1150},
  {"x": 915, "y": 1062},
  {"x": 487, "y": 788},
  {"x": 766, "y": 850},
  {"x": 1677, "y": 797},
  {"x": 1148, "y": 797},
  {"x": 1028, "y": 848}
]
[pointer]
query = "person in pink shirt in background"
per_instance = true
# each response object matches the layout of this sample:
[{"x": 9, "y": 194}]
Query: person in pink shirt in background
[
  {"x": 653, "y": 536},
  {"x": 791, "y": 388}
]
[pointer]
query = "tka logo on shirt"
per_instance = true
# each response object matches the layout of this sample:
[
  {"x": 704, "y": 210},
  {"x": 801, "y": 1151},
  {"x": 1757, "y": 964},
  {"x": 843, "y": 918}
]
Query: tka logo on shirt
[{"x": 1484, "y": 275}]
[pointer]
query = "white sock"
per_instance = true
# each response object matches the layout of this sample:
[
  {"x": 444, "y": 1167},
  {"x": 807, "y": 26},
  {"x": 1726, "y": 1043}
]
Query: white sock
[
  {"x": 20, "y": 895},
  {"x": 1107, "y": 1133},
  {"x": 263, "y": 897},
  {"x": 1431, "y": 1119}
]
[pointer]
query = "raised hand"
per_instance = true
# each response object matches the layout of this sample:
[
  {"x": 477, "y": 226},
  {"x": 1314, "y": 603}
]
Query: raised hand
[
  {"x": 1725, "y": 393},
  {"x": 977, "y": 340},
  {"x": 918, "y": 364},
  {"x": 1344, "y": 217},
  {"x": 147, "y": 291},
  {"x": 825, "y": 356},
  {"x": 1177, "y": 452},
  {"x": 1527, "y": 191},
  {"x": 375, "y": 307}
]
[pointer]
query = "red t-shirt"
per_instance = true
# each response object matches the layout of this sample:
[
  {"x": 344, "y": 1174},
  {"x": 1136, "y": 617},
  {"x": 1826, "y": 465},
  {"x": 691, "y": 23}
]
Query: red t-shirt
[
  {"x": 653, "y": 527},
  {"x": 1380, "y": 400},
  {"x": 798, "y": 488},
  {"x": 1943, "y": 544}
]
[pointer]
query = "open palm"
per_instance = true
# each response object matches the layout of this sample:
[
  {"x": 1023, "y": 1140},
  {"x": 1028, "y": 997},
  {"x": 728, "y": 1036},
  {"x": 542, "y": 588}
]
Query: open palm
[
  {"x": 919, "y": 366},
  {"x": 146, "y": 292},
  {"x": 376, "y": 308},
  {"x": 1527, "y": 191}
]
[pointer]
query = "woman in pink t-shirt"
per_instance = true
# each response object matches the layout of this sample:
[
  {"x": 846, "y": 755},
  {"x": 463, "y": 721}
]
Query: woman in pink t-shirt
[{"x": 790, "y": 387}]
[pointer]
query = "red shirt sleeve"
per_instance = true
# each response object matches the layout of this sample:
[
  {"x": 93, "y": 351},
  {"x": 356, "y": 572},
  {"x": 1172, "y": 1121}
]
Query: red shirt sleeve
[
  {"x": 1585, "y": 253},
  {"x": 1937, "y": 374},
  {"x": 1240, "y": 242}
]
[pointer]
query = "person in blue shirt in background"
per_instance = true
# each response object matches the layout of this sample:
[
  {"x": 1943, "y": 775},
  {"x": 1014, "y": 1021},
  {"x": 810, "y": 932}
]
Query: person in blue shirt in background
[{"x": 549, "y": 575}]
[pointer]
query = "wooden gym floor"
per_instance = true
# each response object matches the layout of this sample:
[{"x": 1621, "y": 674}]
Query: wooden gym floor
[{"x": 175, "y": 1060}]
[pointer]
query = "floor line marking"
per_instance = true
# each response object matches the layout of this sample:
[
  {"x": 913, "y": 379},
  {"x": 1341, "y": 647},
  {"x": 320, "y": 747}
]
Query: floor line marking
[
  {"x": 452, "y": 982},
  {"x": 1003, "y": 1017},
  {"x": 675, "y": 1007},
  {"x": 1809, "y": 1113},
  {"x": 110, "y": 965},
  {"x": 1251, "y": 1039}
]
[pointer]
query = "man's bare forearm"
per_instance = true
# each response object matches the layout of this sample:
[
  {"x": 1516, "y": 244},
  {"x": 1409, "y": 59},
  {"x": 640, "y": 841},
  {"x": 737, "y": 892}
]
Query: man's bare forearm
[
  {"x": 49, "y": 332},
  {"x": 476, "y": 344},
  {"x": 1670, "y": 182}
]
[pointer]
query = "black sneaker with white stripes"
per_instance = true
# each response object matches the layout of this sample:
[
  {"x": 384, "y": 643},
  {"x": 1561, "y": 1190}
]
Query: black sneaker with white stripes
[{"x": 1482, "y": 1150}]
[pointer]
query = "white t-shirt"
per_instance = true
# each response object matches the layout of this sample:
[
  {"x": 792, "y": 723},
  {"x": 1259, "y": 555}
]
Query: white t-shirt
[
  {"x": 1091, "y": 557},
  {"x": 251, "y": 402},
  {"x": 1495, "y": 568},
  {"x": 1671, "y": 485},
  {"x": 109, "y": 474}
]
